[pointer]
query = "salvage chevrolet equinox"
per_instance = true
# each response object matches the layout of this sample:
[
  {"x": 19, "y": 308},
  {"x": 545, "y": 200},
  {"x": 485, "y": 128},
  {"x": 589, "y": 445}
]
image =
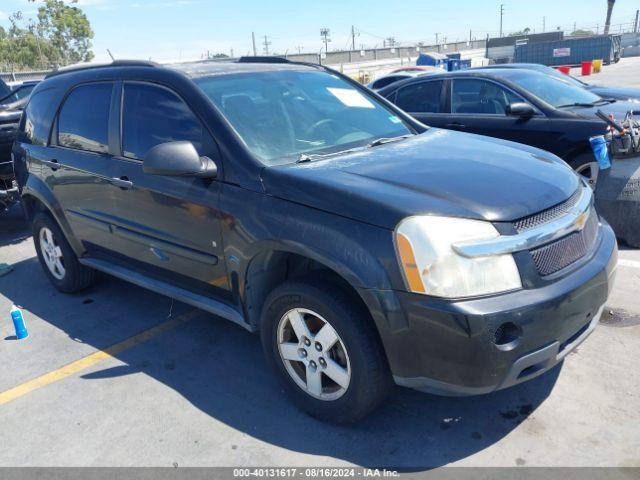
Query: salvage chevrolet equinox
[{"x": 365, "y": 247}]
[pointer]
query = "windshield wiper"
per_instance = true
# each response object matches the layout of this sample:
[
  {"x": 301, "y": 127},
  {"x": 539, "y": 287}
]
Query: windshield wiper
[
  {"x": 383, "y": 140},
  {"x": 309, "y": 157},
  {"x": 602, "y": 101}
]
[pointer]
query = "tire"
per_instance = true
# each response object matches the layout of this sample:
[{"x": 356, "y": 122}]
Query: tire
[
  {"x": 587, "y": 166},
  {"x": 357, "y": 350},
  {"x": 68, "y": 276}
]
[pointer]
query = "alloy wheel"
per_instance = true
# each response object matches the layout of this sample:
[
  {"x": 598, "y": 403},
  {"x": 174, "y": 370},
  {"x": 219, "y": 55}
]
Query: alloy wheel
[
  {"x": 313, "y": 354},
  {"x": 51, "y": 253},
  {"x": 590, "y": 172}
]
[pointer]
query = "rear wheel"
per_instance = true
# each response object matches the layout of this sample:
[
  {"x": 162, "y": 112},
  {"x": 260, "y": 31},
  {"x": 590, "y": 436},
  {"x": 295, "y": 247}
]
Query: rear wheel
[
  {"x": 324, "y": 349},
  {"x": 57, "y": 258}
]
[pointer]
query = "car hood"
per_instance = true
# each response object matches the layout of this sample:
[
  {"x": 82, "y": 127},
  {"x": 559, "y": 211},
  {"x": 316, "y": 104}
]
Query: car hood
[
  {"x": 619, "y": 93},
  {"x": 618, "y": 109},
  {"x": 439, "y": 172}
]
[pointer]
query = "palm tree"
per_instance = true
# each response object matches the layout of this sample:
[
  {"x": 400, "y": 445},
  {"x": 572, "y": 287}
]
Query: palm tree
[{"x": 607, "y": 24}]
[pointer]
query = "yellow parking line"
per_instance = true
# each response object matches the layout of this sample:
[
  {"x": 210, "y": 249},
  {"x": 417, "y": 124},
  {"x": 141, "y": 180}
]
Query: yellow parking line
[{"x": 86, "y": 362}]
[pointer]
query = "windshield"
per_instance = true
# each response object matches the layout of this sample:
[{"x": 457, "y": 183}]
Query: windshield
[
  {"x": 283, "y": 114},
  {"x": 554, "y": 91}
]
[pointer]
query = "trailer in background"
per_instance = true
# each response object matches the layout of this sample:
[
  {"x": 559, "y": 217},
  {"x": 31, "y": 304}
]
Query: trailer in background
[{"x": 571, "y": 51}]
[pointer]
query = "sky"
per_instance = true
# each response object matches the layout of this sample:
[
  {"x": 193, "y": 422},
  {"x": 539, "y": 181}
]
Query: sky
[{"x": 168, "y": 30}]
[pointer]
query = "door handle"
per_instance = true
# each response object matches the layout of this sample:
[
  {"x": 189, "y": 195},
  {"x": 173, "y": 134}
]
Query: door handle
[
  {"x": 122, "y": 182},
  {"x": 455, "y": 126},
  {"x": 52, "y": 164}
]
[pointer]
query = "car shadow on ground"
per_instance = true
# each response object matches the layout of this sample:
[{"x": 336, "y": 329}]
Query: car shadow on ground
[
  {"x": 219, "y": 368},
  {"x": 13, "y": 226}
]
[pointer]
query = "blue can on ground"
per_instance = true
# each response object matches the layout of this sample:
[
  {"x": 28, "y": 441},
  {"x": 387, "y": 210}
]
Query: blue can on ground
[{"x": 18, "y": 323}]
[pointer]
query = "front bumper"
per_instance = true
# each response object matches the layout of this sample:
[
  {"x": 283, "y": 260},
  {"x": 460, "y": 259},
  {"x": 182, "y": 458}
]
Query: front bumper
[{"x": 449, "y": 347}]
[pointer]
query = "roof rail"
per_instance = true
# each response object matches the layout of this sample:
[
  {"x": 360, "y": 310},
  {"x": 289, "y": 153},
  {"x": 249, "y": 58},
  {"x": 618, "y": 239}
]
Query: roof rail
[
  {"x": 91, "y": 66},
  {"x": 259, "y": 59}
]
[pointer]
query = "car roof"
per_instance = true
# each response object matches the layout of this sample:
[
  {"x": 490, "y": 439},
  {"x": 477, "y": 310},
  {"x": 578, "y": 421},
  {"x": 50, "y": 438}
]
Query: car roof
[
  {"x": 214, "y": 68},
  {"x": 502, "y": 73},
  {"x": 524, "y": 66},
  {"x": 198, "y": 68}
]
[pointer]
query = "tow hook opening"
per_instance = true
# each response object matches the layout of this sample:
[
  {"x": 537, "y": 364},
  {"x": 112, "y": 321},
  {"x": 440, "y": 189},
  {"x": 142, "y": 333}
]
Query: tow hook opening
[{"x": 507, "y": 336}]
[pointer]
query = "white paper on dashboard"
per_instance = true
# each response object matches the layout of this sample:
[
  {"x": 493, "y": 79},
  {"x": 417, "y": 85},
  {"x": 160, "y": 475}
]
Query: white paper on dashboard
[{"x": 351, "y": 97}]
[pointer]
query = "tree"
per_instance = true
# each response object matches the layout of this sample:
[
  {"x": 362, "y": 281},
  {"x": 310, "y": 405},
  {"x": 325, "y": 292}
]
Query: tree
[
  {"x": 581, "y": 32},
  {"x": 607, "y": 23},
  {"x": 60, "y": 35},
  {"x": 67, "y": 29},
  {"x": 526, "y": 31}
]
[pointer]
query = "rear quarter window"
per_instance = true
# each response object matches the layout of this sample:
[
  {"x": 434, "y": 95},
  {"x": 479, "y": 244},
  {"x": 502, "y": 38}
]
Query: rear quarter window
[{"x": 38, "y": 117}]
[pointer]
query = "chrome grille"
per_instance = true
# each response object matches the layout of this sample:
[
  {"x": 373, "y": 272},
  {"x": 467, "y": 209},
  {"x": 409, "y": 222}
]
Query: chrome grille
[
  {"x": 549, "y": 214},
  {"x": 557, "y": 255}
]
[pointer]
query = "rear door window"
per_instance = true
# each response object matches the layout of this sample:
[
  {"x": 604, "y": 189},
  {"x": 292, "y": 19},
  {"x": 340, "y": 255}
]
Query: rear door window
[
  {"x": 153, "y": 115},
  {"x": 476, "y": 96},
  {"x": 422, "y": 97},
  {"x": 83, "y": 123}
]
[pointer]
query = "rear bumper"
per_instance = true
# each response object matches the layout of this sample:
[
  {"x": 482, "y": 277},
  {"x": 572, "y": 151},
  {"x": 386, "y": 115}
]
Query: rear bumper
[{"x": 449, "y": 348}]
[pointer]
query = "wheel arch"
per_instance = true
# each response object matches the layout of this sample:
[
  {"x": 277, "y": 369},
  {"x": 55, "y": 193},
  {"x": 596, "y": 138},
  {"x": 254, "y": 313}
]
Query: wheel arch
[
  {"x": 269, "y": 267},
  {"x": 36, "y": 197}
]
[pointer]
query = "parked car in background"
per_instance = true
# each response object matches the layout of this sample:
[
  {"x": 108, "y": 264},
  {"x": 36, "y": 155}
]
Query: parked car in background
[
  {"x": 289, "y": 199},
  {"x": 9, "y": 120},
  {"x": 18, "y": 91},
  {"x": 513, "y": 104},
  {"x": 4, "y": 89},
  {"x": 402, "y": 74},
  {"x": 616, "y": 93}
]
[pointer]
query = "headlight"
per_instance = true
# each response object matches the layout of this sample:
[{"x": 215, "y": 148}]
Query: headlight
[{"x": 432, "y": 267}]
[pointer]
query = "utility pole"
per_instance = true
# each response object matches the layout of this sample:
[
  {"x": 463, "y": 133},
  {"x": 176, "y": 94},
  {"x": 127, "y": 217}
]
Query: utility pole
[
  {"x": 437, "y": 33},
  {"x": 501, "y": 15},
  {"x": 324, "y": 33},
  {"x": 353, "y": 37},
  {"x": 635, "y": 25},
  {"x": 266, "y": 44},
  {"x": 544, "y": 24},
  {"x": 253, "y": 42},
  {"x": 470, "y": 38},
  {"x": 231, "y": 53},
  {"x": 391, "y": 42}
]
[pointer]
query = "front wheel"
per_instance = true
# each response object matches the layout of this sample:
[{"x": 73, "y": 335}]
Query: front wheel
[
  {"x": 323, "y": 347},
  {"x": 587, "y": 167}
]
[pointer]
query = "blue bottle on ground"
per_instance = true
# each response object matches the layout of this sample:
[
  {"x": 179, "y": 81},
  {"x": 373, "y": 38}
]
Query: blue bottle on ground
[{"x": 18, "y": 323}]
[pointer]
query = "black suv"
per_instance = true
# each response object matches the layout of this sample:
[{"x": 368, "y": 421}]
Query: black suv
[{"x": 365, "y": 247}]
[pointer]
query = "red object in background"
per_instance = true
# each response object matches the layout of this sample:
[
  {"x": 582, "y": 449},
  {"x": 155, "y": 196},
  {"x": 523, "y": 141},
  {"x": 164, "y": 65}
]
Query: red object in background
[
  {"x": 565, "y": 70},
  {"x": 586, "y": 68}
]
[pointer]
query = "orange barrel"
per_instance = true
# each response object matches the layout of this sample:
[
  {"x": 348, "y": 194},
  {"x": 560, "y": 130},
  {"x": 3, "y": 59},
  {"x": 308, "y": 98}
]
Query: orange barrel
[{"x": 586, "y": 68}]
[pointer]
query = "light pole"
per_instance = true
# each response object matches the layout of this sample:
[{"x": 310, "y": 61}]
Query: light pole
[{"x": 324, "y": 33}]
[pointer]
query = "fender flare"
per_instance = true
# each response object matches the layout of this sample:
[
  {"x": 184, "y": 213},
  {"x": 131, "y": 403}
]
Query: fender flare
[{"x": 37, "y": 189}]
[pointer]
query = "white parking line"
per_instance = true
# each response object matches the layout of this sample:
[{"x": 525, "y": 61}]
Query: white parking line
[{"x": 628, "y": 263}]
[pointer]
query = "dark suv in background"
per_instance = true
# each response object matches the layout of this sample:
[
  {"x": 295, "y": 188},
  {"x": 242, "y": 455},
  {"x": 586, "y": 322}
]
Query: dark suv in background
[{"x": 365, "y": 247}]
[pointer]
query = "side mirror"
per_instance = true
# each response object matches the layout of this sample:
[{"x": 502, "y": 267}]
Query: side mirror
[
  {"x": 178, "y": 159},
  {"x": 520, "y": 109}
]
